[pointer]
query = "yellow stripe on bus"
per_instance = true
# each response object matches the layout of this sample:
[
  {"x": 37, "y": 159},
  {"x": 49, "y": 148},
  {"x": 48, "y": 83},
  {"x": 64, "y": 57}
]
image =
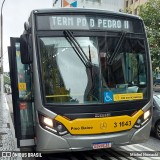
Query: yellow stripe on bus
[{"x": 99, "y": 125}]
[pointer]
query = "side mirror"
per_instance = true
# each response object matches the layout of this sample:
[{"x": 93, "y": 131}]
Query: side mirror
[{"x": 26, "y": 48}]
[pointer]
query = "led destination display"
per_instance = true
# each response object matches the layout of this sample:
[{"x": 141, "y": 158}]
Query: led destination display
[{"x": 83, "y": 22}]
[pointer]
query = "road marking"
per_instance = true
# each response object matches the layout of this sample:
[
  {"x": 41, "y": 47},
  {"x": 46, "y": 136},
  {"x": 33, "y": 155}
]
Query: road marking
[
  {"x": 122, "y": 151},
  {"x": 144, "y": 147},
  {"x": 86, "y": 157},
  {"x": 132, "y": 148},
  {"x": 110, "y": 156},
  {"x": 112, "y": 153},
  {"x": 98, "y": 158},
  {"x": 119, "y": 156}
]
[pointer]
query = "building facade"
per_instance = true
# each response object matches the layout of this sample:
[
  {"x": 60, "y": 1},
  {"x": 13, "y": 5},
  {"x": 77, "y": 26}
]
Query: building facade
[
  {"x": 132, "y": 6},
  {"x": 111, "y": 5}
]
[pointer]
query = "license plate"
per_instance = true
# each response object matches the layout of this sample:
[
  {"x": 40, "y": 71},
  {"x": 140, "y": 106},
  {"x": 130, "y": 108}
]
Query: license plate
[{"x": 101, "y": 145}]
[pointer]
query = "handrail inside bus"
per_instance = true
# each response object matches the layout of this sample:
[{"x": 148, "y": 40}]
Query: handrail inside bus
[{"x": 50, "y": 96}]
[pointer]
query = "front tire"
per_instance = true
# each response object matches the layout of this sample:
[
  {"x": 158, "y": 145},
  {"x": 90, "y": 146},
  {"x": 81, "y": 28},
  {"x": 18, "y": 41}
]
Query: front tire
[{"x": 157, "y": 130}]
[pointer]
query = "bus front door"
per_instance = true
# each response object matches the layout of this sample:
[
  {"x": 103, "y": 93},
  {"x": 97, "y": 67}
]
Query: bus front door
[{"x": 23, "y": 108}]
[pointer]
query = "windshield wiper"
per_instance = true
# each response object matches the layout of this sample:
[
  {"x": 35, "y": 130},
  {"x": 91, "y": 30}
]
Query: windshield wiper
[
  {"x": 77, "y": 48},
  {"x": 85, "y": 60},
  {"x": 117, "y": 48}
]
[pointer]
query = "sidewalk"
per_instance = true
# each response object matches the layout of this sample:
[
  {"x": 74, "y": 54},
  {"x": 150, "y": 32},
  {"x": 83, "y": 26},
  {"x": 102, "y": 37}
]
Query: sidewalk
[{"x": 7, "y": 136}]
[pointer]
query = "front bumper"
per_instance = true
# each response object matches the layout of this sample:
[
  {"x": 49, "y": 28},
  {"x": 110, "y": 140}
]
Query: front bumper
[{"x": 49, "y": 142}]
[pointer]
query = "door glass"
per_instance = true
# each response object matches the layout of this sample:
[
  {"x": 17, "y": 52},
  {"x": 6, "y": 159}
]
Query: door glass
[{"x": 25, "y": 104}]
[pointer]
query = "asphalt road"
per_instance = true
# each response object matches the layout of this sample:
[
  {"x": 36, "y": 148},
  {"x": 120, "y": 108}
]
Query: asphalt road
[
  {"x": 123, "y": 152},
  {"x": 153, "y": 143},
  {"x": 156, "y": 88}
]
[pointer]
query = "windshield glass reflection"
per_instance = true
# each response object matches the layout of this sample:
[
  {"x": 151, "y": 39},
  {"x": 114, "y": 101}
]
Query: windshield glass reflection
[
  {"x": 82, "y": 70},
  {"x": 66, "y": 78}
]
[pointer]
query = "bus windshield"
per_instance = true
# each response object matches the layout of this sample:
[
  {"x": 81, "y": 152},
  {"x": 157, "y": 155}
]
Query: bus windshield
[{"x": 117, "y": 70}]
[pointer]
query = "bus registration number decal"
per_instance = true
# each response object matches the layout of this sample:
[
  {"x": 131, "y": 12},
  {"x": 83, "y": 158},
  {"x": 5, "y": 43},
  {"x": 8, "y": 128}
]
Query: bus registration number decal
[
  {"x": 101, "y": 145},
  {"x": 122, "y": 124}
]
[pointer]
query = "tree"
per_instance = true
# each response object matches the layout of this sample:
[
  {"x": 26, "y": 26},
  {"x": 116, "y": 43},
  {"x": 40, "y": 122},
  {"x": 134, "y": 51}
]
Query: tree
[{"x": 150, "y": 13}]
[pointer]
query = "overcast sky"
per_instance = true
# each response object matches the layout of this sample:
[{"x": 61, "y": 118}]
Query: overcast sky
[{"x": 15, "y": 13}]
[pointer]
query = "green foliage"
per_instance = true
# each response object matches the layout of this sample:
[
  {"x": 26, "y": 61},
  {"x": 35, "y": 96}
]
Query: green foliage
[
  {"x": 150, "y": 12},
  {"x": 6, "y": 80}
]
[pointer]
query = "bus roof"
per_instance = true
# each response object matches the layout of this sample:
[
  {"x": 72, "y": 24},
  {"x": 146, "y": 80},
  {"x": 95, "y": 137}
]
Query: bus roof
[{"x": 83, "y": 10}]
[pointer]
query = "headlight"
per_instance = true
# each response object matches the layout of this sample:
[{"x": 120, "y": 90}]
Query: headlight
[
  {"x": 48, "y": 121},
  {"x": 143, "y": 119},
  {"x": 52, "y": 125},
  {"x": 146, "y": 114}
]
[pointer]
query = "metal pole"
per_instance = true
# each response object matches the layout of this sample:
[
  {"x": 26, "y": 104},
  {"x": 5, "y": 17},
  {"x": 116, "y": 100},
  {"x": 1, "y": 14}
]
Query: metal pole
[{"x": 2, "y": 80}]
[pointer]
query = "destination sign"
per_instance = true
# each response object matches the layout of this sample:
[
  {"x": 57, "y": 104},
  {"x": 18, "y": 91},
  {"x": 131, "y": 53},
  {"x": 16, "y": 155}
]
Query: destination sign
[{"x": 83, "y": 22}]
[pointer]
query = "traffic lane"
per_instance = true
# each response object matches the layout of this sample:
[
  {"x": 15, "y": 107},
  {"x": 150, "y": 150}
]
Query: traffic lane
[{"x": 152, "y": 143}]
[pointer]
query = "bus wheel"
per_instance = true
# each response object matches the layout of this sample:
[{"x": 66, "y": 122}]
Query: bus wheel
[{"x": 157, "y": 129}]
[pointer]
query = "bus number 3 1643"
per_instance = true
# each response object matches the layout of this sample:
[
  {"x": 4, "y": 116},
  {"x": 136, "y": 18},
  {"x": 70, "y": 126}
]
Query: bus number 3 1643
[{"x": 122, "y": 124}]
